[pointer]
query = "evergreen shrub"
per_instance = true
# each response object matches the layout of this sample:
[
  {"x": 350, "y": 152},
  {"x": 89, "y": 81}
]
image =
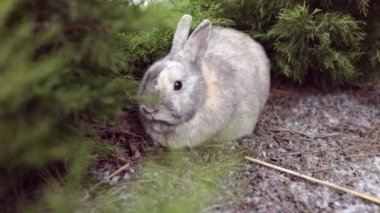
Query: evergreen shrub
[
  {"x": 328, "y": 42},
  {"x": 63, "y": 65}
]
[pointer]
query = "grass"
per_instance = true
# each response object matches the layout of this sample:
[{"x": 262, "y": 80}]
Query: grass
[{"x": 176, "y": 181}]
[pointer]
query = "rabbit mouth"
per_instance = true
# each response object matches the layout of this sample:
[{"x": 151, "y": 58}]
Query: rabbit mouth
[
  {"x": 162, "y": 122},
  {"x": 162, "y": 126},
  {"x": 157, "y": 119},
  {"x": 166, "y": 118}
]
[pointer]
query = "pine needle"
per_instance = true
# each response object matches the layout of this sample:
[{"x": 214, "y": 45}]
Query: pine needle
[{"x": 367, "y": 197}]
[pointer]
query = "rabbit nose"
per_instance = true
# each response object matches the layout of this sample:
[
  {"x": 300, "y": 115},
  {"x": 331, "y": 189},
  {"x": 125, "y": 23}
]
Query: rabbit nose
[{"x": 148, "y": 111}]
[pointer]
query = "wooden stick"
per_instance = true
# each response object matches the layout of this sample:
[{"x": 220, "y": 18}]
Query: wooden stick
[
  {"x": 126, "y": 166},
  {"x": 367, "y": 197}
]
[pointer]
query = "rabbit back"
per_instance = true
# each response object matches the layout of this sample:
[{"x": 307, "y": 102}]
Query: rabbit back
[
  {"x": 241, "y": 63},
  {"x": 243, "y": 68}
]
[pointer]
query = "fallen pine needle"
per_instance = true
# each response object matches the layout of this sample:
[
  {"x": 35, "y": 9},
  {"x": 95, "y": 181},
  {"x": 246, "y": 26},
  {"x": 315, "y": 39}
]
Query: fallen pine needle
[{"x": 324, "y": 183}]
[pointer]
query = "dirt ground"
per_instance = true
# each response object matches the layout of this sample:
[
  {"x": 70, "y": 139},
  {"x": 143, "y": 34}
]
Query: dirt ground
[{"x": 332, "y": 136}]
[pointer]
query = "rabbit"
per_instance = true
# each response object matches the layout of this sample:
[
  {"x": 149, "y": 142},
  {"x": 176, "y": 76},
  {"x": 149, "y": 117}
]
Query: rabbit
[{"x": 210, "y": 87}]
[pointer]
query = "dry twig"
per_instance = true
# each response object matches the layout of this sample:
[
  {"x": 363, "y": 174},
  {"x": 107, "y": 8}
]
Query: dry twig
[
  {"x": 126, "y": 166},
  {"x": 367, "y": 197}
]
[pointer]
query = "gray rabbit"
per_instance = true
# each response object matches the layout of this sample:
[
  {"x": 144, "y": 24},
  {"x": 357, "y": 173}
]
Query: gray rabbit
[{"x": 210, "y": 87}]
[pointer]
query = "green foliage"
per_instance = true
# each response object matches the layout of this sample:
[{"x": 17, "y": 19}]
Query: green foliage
[
  {"x": 183, "y": 182},
  {"x": 150, "y": 44},
  {"x": 332, "y": 40},
  {"x": 328, "y": 42},
  {"x": 178, "y": 181},
  {"x": 372, "y": 42},
  {"x": 63, "y": 64}
]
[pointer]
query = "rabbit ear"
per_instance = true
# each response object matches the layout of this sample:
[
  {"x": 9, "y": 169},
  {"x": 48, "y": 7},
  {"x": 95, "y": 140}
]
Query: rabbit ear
[
  {"x": 181, "y": 33},
  {"x": 197, "y": 44}
]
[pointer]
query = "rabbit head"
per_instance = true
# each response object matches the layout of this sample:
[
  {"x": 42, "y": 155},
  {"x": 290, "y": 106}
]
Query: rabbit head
[{"x": 174, "y": 86}]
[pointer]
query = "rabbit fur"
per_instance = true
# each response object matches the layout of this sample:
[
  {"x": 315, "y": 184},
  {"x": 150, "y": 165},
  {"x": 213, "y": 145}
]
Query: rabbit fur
[{"x": 211, "y": 86}]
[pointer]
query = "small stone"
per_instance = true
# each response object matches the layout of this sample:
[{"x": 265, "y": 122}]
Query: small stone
[
  {"x": 114, "y": 180},
  {"x": 137, "y": 155},
  {"x": 126, "y": 176}
]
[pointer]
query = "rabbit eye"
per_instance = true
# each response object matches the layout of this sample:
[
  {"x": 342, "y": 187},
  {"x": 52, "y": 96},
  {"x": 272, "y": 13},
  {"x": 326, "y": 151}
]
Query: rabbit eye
[{"x": 177, "y": 85}]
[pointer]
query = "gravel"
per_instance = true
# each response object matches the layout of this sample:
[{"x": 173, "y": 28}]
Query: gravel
[{"x": 331, "y": 136}]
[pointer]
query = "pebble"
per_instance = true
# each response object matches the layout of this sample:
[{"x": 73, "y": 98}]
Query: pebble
[
  {"x": 126, "y": 176},
  {"x": 114, "y": 180}
]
